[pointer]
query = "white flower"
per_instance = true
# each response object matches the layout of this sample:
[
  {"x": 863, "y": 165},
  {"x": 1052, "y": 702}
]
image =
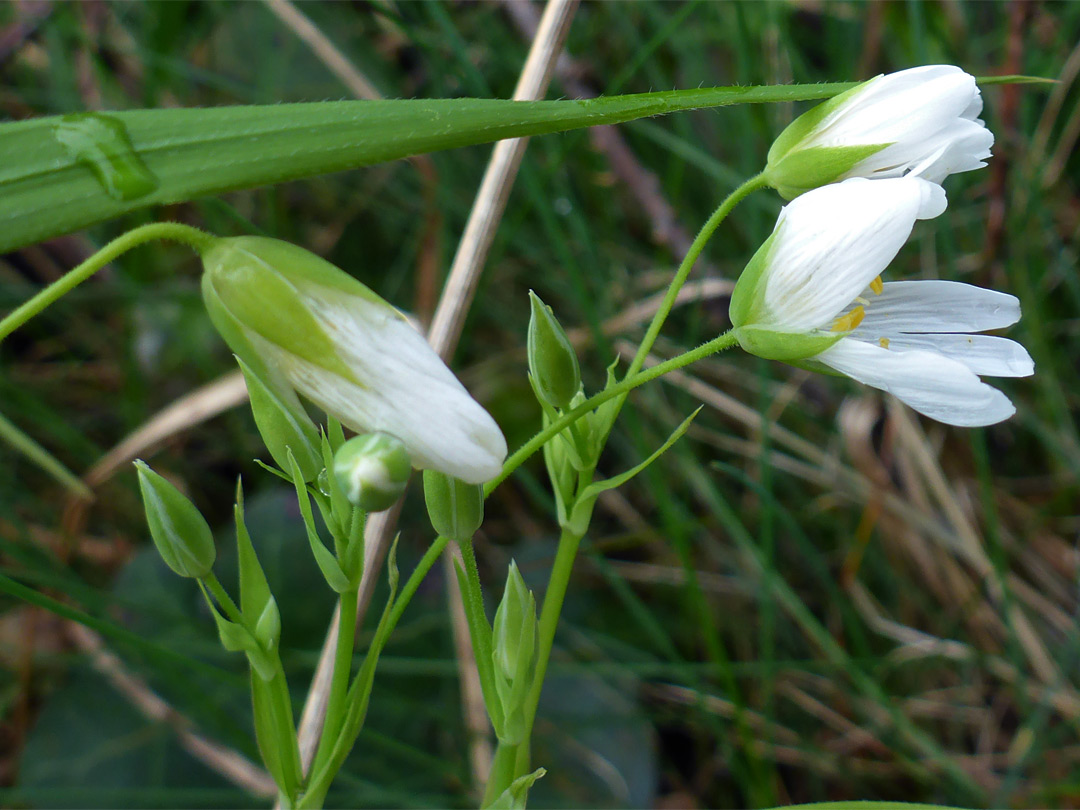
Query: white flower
[
  {"x": 813, "y": 295},
  {"x": 310, "y": 326},
  {"x": 923, "y": 121}
]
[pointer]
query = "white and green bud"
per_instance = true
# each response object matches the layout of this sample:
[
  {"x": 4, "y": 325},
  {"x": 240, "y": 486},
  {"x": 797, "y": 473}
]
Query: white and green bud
[
  {"x": 372, "y": 470},
  {"x": 283, "y": 425},
  {"x": 922, "y": 121},
  {"x": 305, "y": 326},
  {"x": 455, "y": 507},
  {"x": 178, "y": 529},
  {"x": 552, "y": 360}
]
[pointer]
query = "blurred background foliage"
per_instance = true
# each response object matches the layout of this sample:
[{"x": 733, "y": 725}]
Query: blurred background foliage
[{"x": 815, "y": 595}]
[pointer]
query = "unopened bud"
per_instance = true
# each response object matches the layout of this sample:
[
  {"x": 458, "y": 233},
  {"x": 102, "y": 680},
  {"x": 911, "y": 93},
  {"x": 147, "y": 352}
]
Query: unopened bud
[
  {"x": 180, "y": 532},
  {"x": 552, "y": 360},
  {"x": 514, "y": 630},
  {"x": 372, "y": 470},
  {"x": 455, "y": 508}
]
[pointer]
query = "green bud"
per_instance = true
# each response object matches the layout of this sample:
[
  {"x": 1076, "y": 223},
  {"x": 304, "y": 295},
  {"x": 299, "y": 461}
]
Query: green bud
[
  {"x": 180, "y": 532},
  {"x": 552, "y": 361},
  {"x": 283, "y": 425},
  {"x": 514, "y": 630},
  {"x": 372, "y": 470},
  {"x": 455, "y": 508}
]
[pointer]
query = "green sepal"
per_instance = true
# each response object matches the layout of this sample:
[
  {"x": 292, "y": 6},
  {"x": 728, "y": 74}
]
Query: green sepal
[
  {"x": 806, "y": 169},
  {"x": 803, "y": 126},
  {"x": 258, "y": 295},
  {"x": 257, "y": 604},
  {"x": 238, "y": 340},
  {"x": 455, "y": 508},
  {"x": 480, "y": 632},
  {"x": 560, "y": 472},
  {"x": 602, "y": 420},
  {"x": 352, "y": 563},
  {"x": 582, "y": 512},
  {"x": 283, "y": 424},
  {"x": 300, "y": 266},
  {"x": 516, "y": 796},
  {"x": 266, "y": 737},
  {"x": 513, "y": 655},
  {"x": 747, "y": 298},
  {"x": 235, "y": 637},
  {"x": 180, "y": 532},
  {"x": 324, "y": 558},
  {"x": 784, "y": 346},
  {"x": 334, "y": 433},
  {"x": 340, "y": 508}
]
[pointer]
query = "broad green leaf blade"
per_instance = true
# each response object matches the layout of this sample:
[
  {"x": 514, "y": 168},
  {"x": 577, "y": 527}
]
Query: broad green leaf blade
[{"x": 60, "y": 174}]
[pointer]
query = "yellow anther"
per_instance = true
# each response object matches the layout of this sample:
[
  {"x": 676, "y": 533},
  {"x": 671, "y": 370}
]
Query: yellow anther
[
  {"x": 845, "y": 323},
  {"x": 883, "y": 342},
  {"x": 860, "y": 300},
  {"x": 877, "y": 286}
]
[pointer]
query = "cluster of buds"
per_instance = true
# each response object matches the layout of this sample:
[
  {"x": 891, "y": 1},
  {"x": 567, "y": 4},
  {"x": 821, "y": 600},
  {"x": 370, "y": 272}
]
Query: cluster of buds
[{"x": 863, "y": 168}]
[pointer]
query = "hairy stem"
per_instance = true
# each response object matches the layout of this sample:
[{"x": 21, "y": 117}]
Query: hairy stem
[{"x": 170, "y": 231}]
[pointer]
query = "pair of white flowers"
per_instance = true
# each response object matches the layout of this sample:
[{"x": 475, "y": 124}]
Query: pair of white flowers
[
  {"x": 812, "y": 294},
  {"x": 872, "y": 159}
]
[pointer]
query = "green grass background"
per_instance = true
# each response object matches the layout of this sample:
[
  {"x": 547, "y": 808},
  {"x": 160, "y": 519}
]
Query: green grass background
[{"x": 853, "y": 603}]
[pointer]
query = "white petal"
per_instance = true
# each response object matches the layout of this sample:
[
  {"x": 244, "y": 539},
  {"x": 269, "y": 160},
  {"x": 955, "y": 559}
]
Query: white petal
[
  {"x": 834, "y": 240},
  {"x": 934, "y": 385},
  {"x": 407, "y": 390},
  {"x": 983, "y": 354},
  {"x": 909, "y": 105},
  {"x": 935, "y": 306}
]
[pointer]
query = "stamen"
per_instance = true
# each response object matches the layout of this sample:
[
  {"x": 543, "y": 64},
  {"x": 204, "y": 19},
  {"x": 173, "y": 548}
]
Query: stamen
[
  {"x": 877, "y": 286},
  {"x": 883, "y": 342},
  {"x": 862, "y": 300},
  {"x": 845, "y": 323}
]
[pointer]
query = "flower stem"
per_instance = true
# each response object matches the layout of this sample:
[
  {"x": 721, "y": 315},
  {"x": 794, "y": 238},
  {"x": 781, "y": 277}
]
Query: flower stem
[
  {"x": 724, "y": 341},
  {"x": 171, "y": 231},
  {"x": 359, "y": 694},
  {"x": 339, "y": 682},
  {"x": 692, "y": 254},
  {"x": 232, "y": 612}
]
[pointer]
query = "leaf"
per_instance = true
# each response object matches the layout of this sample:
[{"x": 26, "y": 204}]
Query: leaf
[
  {"x": 62, "y": 173},
  {"x": 579, "y": 517}
]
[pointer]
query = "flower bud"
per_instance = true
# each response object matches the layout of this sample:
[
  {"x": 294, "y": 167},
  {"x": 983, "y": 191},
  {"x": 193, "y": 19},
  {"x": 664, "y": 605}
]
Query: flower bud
[
  {"x": 514, "y": 630},
  {"x": 304, "y": 325},
  {"x": 180, "y": 532},
  {"x": 455, "y": 508},
  {"x": 372, "y": 471},
  {"x": 552, "y": 360},
  {"x": 922, "y": 121}
]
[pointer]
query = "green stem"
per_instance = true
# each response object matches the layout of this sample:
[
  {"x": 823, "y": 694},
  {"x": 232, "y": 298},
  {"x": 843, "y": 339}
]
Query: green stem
[
  {"x": 692, "y": 254},
  {"x": 503, "y": 768},
  {"x": 479, "y": 627},
  {"x": 232, "y": 612},
  {"x": 172, "y": 231},
  {"x": 285, "y": 732},
  {"x": 724, "y": 341},
  {"x": 502, "y": 772},
  {"x": 339, "y": 682},
  {"x": 360, "y": 691}
]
